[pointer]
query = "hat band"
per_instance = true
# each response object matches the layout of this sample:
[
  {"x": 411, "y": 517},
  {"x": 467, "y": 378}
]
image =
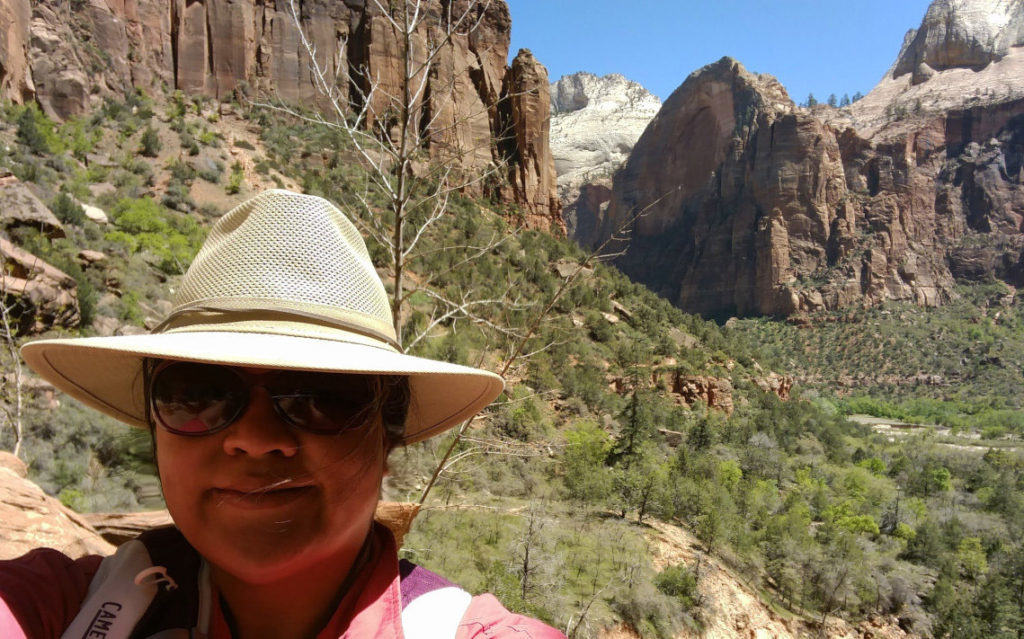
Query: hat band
[{"x": 201, "y": 316}]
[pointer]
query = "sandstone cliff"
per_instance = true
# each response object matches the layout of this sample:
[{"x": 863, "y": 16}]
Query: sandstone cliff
[
  {"x": 751, "y": 205},
  {"x": 527, "y": 130},
  {"x": 69, "y": 59}
]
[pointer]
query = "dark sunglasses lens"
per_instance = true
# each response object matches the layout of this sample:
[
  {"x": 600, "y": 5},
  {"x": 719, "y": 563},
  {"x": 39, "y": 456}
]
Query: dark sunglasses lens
[
  {"x": 196, "y": 399},
  {"x": 324, "y": 404}
]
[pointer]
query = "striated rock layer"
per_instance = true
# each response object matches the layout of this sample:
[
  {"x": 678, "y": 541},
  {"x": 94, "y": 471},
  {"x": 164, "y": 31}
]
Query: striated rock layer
[
  {"x": 68, "y": 60},
  {"x": 750, "y": 205}
]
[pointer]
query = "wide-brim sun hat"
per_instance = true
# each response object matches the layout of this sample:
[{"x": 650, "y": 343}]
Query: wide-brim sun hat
[{"x": 283, "y": 281}]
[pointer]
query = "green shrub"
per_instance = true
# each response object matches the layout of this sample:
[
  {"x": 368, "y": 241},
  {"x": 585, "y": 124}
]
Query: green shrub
[
  {"x": 80, "y": 136},
  {"x": 188, "y": 142},
  {"x": 37, "y": 131},
  {"x": 150, "y": 142},
  {"x": 208, "y": 137},
  {"x": 235, "y": 179},
  {"x": 178, "y": 197},
  {"x": 142, "y": 225},
  {"x": 67, "y": 210},
  {"x": 181, "y": 171},
  {"x": 680, "y": 583},
  {"x": 130, "y": 311}
]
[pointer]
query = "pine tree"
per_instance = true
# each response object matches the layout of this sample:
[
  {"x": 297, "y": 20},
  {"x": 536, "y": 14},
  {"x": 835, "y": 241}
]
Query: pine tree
[
  {"x": 811, "y": 101},
  {"x": 832, "y": 100},
  {"x": 635, "y": 430},
  {"x": 845, "y": 101}
]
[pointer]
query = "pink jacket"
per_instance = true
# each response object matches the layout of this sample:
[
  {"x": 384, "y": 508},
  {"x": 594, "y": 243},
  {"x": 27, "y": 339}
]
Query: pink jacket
[{"x": 41, "y": 594}]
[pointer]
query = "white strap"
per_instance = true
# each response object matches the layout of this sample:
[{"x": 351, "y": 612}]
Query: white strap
[
  {"x": 114, "y": 603},
  {"x": 436, "y": 614}
]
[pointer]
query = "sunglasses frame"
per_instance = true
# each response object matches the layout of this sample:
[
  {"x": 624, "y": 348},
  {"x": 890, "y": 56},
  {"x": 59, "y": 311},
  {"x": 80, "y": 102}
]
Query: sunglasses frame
[{"x": 246, "y": 380}]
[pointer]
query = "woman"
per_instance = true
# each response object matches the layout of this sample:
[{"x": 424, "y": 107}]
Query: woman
[{"x": 274, "y": 391}]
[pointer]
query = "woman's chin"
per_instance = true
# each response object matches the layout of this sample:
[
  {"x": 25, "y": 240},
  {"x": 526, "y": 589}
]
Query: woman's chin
[{"x": 257, "y": 560}]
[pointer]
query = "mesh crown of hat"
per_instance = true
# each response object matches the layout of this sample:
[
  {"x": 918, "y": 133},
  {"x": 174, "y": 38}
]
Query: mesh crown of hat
[{"x": 288, "y": 247}]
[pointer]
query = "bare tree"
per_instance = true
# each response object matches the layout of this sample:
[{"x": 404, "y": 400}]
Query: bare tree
[
  {"x": 402, "y": 130},
  {"x": 11, "y": 383}
]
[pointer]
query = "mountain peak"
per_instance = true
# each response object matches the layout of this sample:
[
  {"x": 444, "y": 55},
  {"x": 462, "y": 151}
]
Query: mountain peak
[{"x": 607, "y": 93}]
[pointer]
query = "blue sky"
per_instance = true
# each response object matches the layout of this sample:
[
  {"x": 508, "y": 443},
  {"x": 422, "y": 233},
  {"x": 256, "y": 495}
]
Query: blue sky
[{"x": 819, "y": 46}]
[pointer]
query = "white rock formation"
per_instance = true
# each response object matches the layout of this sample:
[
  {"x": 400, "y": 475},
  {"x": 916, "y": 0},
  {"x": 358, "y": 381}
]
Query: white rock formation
[
  {"x": 966, "y": 52},
  {"x": 595, "y": 121},
  {"x": 95, "y": 214},
  {"x": 963, "y": 33}
]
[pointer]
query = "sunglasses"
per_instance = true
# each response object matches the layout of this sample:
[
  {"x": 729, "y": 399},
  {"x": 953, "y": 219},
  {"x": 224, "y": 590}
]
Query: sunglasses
[{"x": 193, "y": 399}]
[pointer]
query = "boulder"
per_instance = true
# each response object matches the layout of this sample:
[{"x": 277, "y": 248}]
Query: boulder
[
  {"x": 100, "y": 189},
  {"x": 781, "y": 385},
  {"x": 105, "y": 326},
  {"x": 87, "y": 257},
  {"x": 31, "y": 519},
  {"x": 45, "y": 296},
  {"x": 19, "y": 206},
  {"x": 95, "y": 214},
  {"x": 118, "y": 528}
]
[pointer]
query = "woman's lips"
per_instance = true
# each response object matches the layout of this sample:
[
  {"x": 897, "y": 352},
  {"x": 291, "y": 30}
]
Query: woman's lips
[{"x": 261, "y": 499}]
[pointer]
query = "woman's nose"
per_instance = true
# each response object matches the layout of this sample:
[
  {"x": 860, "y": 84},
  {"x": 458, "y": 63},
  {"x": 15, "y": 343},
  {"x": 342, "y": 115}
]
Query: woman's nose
[{"x": 260, "y": 431}]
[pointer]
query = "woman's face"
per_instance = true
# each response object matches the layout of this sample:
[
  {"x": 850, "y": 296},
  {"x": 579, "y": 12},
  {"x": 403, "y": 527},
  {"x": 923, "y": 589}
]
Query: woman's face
[{"x": 263, "y": 500}]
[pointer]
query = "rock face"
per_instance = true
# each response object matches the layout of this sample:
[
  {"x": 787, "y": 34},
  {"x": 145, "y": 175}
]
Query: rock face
[
  {"x": 532, "y": 168},
  {"x": 69, "y": 60},
  {"x": 714, "y": 392},
  {"x": 15, "y": 79},
  {"x": 585, "y": 214},
  {"x": 755, "y": 206},
  {"x": 595, "y": 121},
  {"x": 30, "y": 519}
]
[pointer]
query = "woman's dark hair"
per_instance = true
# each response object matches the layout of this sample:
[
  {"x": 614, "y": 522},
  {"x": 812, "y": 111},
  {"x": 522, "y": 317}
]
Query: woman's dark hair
[
  {"x": 394, "y": 407},
  {"x": 393, "y": 393}
]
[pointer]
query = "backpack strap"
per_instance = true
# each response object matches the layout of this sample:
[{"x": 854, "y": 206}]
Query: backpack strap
[
  {"x": 178, "y": 610},
  {"x": 432, "y": 606},
  {"x": 150, "y": 587}
]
